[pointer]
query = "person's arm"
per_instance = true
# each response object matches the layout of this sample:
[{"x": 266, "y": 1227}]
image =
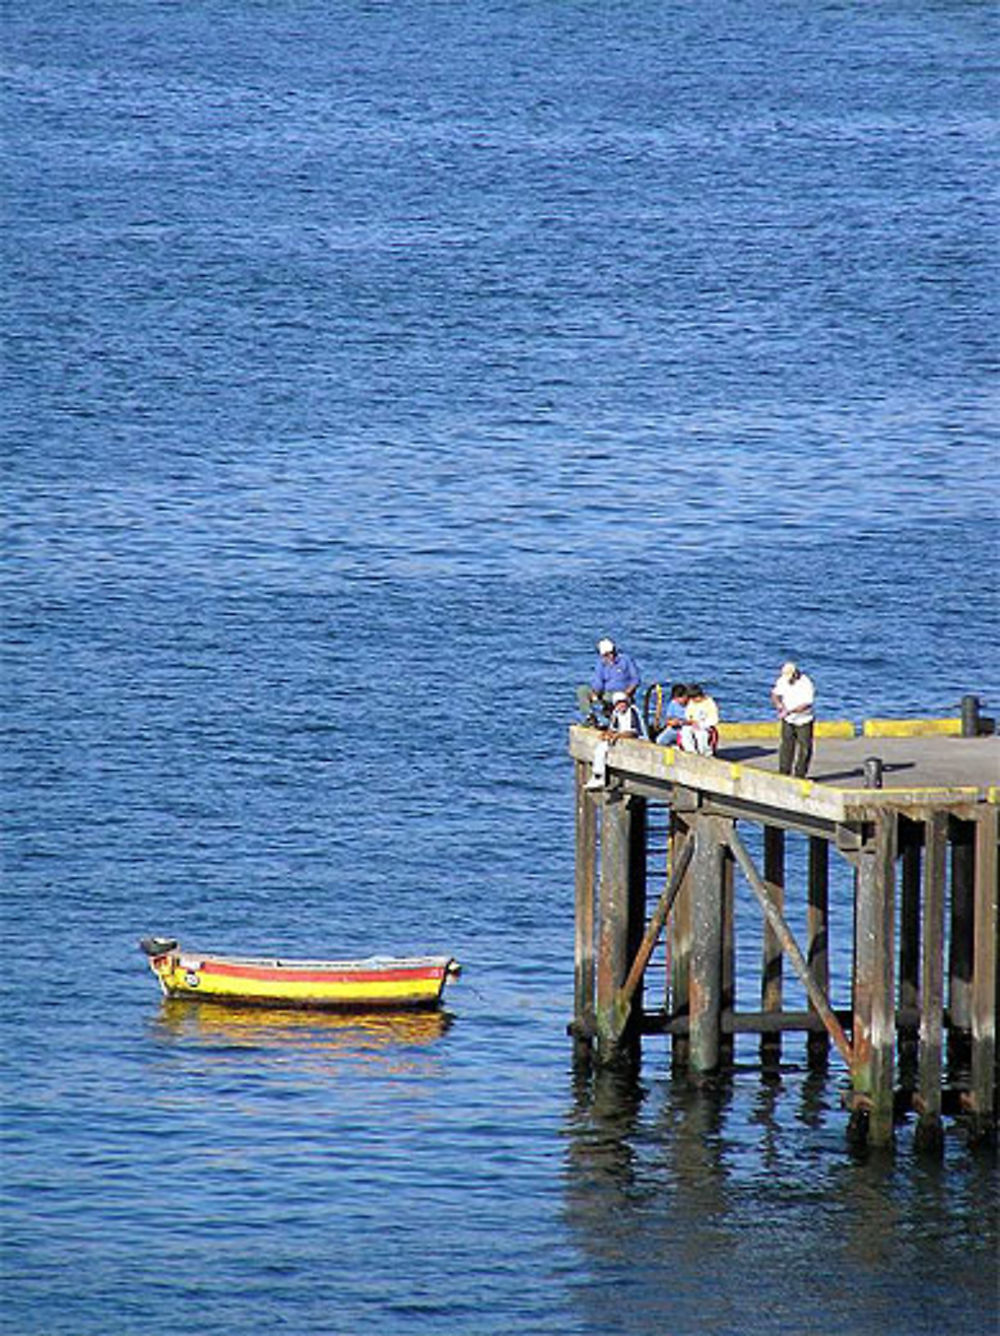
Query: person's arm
[{"x": 632, "y": 679}]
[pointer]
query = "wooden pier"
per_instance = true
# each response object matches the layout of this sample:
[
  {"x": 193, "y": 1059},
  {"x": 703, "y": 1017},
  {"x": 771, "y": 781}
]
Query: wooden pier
[{"x": 910, "y": 808}]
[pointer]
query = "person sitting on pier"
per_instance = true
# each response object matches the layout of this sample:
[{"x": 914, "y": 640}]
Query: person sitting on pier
[
  {"x": 700, "y": 731},
  {"x": 615, "y": 670},
  {"x": 676, "y": 715},
  {"x": 793, "y": 696},
  {"x": 625, "y": 722}
]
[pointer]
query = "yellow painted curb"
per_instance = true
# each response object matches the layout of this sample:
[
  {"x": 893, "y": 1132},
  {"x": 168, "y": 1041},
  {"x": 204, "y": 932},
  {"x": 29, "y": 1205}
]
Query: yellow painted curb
[
  {"x": 767, "y": 729},
  {"x": 834, "y": 728},
  {"x": 913, "y": 728},
  {"x": 770, "y": 728}
]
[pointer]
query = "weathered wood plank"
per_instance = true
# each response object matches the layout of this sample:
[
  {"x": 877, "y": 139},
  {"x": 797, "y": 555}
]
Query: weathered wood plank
[
  {"x": 706, "y": 945},
  {"x": 613, "y": 914},
  {"x": 983, "y": 1091},
  {"x": 772, "y": 983},
  {"x": 817, "y": 942},
  {"x": 929, "y": 1133},
  {"x": 874, "y": 962},
  {"x": 586, "y": 896}
]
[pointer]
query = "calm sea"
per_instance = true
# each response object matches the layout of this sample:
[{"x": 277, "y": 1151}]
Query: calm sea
[{"x": 364, "y": 362}]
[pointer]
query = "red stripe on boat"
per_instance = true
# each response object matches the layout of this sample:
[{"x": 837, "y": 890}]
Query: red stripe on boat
[{"x": 292, "y": 975}]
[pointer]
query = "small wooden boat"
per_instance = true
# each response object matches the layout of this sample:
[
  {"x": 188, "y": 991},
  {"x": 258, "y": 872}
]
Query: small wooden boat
[{"x": 381, "y": 982}]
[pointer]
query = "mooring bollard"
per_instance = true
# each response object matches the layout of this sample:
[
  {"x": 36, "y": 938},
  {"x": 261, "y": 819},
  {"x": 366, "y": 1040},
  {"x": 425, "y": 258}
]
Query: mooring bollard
[
  {"x": 970, "y": 716},
  {"x": 873, "y": 772}
]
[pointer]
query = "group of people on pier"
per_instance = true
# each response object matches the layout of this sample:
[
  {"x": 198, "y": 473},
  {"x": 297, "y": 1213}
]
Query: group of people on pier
[{"x": 689, "y": 718}]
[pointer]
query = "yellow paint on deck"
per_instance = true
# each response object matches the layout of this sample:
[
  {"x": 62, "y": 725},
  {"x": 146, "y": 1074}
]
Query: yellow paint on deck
[
  {"x": 771, "y": 728},
  {"x": 764, "y": 729},
  {"x": 834, "y": 728},
  {"x": 913, "y": 728}
]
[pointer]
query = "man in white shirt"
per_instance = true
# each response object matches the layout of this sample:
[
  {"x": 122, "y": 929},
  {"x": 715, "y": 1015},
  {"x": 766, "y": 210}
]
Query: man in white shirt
[{"x": 793, "y": 695}]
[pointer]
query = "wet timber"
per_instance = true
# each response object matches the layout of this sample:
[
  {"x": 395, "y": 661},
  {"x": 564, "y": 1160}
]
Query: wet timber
[{"x": 910, "y": 808}]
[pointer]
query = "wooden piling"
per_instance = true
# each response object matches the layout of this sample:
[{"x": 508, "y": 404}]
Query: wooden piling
[
  {"x": 586, "y": 895},
  {"x": 910, "y": 838},
  {"x": 727, "y": 1046},
  {"x": 910, "y": 849},
  {"x": 637, "y": 877},
  {"x": 983, "y": 1084},
  {"x": 818, "y": 947},
  {"x": 613, "y": 917},
  {"x": 929, "y": 1135},
  {"x": 706, "y": 948},
  {"x": 680, "y": 941},
  {"x": 961, "y": 942},
  {"x": 771, "y": 965},
  {"x": 874, "y": 1009}
]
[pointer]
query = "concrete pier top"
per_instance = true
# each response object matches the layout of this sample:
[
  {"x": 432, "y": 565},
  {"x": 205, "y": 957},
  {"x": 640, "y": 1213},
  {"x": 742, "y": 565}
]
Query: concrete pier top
[{"x": 918, "y": 772}]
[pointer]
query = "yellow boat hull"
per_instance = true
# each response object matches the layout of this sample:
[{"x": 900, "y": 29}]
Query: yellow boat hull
[{"x": 379, "y": 982}]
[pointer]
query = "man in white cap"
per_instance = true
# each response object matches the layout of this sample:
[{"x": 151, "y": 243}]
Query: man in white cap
[
  {"x": 615, "y": 670},
  {"x": 794, "y": 696}
]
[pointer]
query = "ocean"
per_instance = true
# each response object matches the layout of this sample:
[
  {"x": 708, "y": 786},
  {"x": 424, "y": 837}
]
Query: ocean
[{"x": 364, "y": 363}]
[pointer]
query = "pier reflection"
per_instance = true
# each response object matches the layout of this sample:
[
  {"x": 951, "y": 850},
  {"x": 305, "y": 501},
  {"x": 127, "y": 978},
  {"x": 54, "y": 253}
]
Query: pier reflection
[{"x": 705, "y": 1196}]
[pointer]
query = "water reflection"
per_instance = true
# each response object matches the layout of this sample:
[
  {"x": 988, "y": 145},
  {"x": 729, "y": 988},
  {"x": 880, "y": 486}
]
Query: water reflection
[
  {"x": 699, "y": 1195},
  {"x": 353, "y": 1035}
]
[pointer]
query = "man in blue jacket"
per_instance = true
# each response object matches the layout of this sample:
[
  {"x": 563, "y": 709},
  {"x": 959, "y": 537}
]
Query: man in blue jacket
[{"x": 615, "y": 670}]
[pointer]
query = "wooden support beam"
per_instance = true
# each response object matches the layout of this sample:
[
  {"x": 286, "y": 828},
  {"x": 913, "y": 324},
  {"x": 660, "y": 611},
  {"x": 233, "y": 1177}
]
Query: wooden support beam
[
  {"x": 612, "y": 934},
  {"x": 771, "y": 965},
  {"x": 680, "y": 938},
  {"x": 960, "y": 946},
  {"x": 755, "y": 1022},
  {"x": 910, "y": 848},
  {"x": 657, "y": 921},
  {"x": 586, "y": 897},
  {"x": 818, "y": 940},
  {"x": 874, "y": 1014},
  {"x": 728, "y": 1001},
  {"x": 706, "y": 943},
  {"x": 983, "y": 1091},
  {"x": 783, "y": 934},
  {"x": 929, "y": 1135},
  {"x": 909, "y": 834},
  {"x": 637, "y": 872}
]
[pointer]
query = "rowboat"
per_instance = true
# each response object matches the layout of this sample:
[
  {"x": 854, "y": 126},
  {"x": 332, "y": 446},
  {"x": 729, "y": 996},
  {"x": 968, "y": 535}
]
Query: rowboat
[{"x": 383, "y": 982}]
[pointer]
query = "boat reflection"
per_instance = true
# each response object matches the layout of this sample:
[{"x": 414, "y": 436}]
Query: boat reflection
[{"x": 278, "y": 1028}]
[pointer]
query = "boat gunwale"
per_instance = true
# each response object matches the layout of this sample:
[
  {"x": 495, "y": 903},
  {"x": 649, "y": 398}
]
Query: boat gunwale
[{"x": 186, "y": 958}]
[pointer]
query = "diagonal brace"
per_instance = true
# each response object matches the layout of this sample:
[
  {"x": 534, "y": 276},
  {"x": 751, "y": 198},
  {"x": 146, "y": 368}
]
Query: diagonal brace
[
  {"x": 653, "y": 929},
  {"x": 791, "y": 948}
]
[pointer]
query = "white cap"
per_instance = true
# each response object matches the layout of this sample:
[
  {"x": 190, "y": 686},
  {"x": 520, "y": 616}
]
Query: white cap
[
  {"x": 618, "y": 696},
  {"x": 789, "y": 669},
  {"x": 606, "y": 646}
]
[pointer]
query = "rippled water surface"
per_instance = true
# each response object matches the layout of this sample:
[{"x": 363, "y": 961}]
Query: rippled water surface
[{"x": 364, "y": 362}]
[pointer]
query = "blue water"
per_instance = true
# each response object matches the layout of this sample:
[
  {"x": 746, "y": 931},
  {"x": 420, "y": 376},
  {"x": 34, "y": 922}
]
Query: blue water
[{"x": 363, "y": 363}]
